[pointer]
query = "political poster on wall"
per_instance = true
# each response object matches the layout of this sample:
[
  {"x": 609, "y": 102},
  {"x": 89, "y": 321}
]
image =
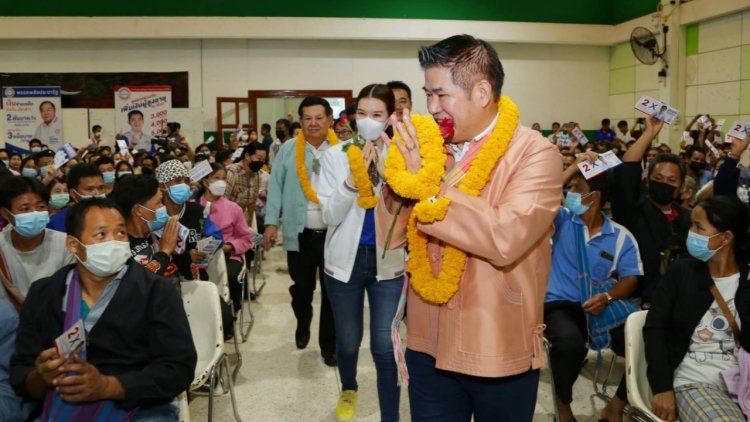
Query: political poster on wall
[
  {"x": 32, "y": 112},
  {"x": 141, "y": 113}
]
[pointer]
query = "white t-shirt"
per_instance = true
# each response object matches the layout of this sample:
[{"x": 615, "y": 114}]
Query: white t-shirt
[
  {"x": 28, "y": 267},
  {"x": 711, "y": 349},
  {"x": 314, "y": 218}
]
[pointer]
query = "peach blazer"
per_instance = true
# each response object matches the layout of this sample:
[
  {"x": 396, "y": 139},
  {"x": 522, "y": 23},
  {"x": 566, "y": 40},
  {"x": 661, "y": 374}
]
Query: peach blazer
[{"x": 492, "y": 327}]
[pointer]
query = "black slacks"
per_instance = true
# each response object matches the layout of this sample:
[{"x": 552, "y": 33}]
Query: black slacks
[
  {"x": 567, "y": 333},
  {"x": 305, "y": 267}
]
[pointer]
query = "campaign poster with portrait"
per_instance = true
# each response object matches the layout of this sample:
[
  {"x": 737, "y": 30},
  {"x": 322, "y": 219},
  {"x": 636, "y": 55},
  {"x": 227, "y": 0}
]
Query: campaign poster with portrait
[
  {"x": 141, "y": 113},
  {"x": 32, "y": 112}
]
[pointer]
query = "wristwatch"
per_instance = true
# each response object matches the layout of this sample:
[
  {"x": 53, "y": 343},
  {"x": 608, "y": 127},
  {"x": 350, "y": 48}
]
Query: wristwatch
[{"x": 610, "y": 299}]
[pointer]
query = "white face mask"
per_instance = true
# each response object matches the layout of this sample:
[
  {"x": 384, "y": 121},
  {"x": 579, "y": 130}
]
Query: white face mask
[
  {"x": 106, "y": 258},
  {"x": 218, "y": 188},
  {"x": 369, "y": 128},
  {"x": 244, "y": 138},
  {"x": 188, "y": 165}
]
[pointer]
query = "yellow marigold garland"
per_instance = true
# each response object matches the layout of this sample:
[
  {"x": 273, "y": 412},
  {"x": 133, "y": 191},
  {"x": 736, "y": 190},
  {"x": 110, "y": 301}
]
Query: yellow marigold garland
[
  {"x": 367, "y": 198},
  {"x": 426, "y": 183},
  {"x": 301, "y": 167},
  {"x": 440, "y": 289}
]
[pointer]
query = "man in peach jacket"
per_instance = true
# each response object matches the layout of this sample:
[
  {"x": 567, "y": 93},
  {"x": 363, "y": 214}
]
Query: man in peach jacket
[{"x": 479, "y": 354}]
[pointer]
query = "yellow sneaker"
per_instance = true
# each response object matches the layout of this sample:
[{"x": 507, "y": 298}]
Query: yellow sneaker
[{"x": 347, "y": 407}]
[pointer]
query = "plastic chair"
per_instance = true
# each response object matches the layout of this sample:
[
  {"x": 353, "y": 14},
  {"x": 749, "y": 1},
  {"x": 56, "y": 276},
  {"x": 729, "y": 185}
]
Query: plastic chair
[
  {"x": 257, "y": 271},
  {"x": 244, "y": 308},
  {"x": 219, "y": 275},
  {"x": 600, "y": 389},
  {"x": 182, "y": 401},
  {"x": 201, "y": 302},
  {"x": 639, "y": 390}
]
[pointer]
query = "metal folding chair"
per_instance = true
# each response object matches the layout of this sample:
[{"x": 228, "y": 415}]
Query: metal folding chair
[{"x": 257, "y": 272}]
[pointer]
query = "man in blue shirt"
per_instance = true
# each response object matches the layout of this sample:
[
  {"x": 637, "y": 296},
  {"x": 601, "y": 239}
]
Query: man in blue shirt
[
  {"x": 612, "y": 253},
  {"x": 606, "y": 133},
  {"x": 84, "y": 181}
]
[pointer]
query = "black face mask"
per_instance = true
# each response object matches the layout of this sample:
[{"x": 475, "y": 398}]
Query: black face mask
[
  {"x": 280, "y": 134},
  {"x": 661, "y": 193},
  {"x": 256, "y": 165},
  {"x": 696, "y": 166},
  {"x": 147, "y": 171}
]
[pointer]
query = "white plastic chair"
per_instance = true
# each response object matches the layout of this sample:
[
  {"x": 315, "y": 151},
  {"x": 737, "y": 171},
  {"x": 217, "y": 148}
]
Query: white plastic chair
[
  {"x": 639, "y": 390},
  {"x": 182, "y": 401},
  {"x": 219, "y": 275},
  {"x": 244, "y": 308},
  {"x": 201, "y": 301}
]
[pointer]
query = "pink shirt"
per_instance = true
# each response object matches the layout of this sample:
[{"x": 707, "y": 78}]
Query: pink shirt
[{"x": 229, "y": 217}]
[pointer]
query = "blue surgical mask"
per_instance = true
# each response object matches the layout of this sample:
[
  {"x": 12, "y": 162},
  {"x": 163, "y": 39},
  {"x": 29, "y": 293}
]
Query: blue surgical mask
[
  {"x": 573, "y": 203},
  {"x": 161, "y": 218},
  {"x": 697, "y": 246},
  {"x": 59, "y": 200},
  {"x": 29, "y": 172},
  {"x": 43, "y": 172},
  {"x": 31, "y": 224},
  {"x": 179, "y": 193},
  {"x": 102, "y": 196},
  {"x": 109, "y": 177}
]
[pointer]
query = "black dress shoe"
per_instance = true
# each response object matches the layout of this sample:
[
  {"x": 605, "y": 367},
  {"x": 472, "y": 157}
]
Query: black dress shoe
[
  {"x": 330, "y": 360},
  {"x": 302, "y": 337}
]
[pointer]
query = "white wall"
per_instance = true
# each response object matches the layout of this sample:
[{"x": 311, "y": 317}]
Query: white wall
[{"x": 549, "y": 82}]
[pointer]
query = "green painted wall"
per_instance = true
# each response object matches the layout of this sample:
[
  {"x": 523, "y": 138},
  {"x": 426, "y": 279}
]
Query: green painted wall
[{"x": 578, "y": 11}]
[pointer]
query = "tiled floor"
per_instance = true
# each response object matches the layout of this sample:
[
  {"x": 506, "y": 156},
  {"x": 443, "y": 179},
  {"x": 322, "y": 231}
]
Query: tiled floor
[{"x": 277, "y": 382}]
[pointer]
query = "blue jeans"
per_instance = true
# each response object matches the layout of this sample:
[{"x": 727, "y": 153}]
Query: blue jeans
[
  {"x": 159, "y": 413},
  {"x": 443, "y": 396},
  {"x": 347, "y": 301}
]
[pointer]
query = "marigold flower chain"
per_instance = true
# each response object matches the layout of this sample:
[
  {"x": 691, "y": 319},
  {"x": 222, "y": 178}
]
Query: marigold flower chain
[
  {"x": 301, "y": 167},
  {"x": 440, "y": 289},
  {"x": 367, "y": 198}
]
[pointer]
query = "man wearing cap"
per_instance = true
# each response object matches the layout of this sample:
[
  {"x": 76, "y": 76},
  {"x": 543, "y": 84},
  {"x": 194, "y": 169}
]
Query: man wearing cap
[{"x": 174, "y": 184}]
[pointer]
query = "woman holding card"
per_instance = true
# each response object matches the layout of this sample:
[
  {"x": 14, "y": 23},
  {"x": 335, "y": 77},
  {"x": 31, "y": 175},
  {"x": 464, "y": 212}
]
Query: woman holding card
[
  {"x": 356, "y": 264},
  {"x": 230, "y": 219},
  {"x": 694, "y": 343}
]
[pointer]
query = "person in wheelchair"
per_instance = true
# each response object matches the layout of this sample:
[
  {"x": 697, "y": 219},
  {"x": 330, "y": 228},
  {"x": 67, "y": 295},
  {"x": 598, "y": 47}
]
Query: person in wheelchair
[
  {"x": 595, "y": 267},
  {"x": 692, "y": 335}
]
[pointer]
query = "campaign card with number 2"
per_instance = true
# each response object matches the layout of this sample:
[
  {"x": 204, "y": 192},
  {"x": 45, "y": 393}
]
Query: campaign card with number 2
[{"x": 71, "y": 341}]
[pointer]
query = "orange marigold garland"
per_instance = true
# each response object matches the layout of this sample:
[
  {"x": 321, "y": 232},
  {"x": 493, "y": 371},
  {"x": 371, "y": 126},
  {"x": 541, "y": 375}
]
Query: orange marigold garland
[
  {"x": 300, "y": 165},
  {"x": 367, "y": 198},
  {"x": 440, "y": 289}
]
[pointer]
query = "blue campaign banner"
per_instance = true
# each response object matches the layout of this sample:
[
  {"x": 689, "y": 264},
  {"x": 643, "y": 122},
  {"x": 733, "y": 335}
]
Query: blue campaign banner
[{"x": 32, "y": 112}]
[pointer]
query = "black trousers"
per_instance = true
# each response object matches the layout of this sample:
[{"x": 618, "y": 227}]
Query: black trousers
[
  {"x": 234, "y": 268},
  {"x": 567, "y": 333},
  {"x": 305, "y": 267}
]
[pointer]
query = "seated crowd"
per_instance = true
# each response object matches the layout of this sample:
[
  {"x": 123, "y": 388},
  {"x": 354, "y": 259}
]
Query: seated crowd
[{"x": 113, "y": 232}]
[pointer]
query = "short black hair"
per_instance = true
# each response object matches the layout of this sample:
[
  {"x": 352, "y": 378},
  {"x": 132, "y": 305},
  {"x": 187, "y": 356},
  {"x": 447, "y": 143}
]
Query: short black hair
[
  {"x": 250, "y": 149},
  {"x": 132, "y": 190},
  {"x": 152, "y": 159},
  {"x": 76, "y": 218},
  {"x": 47, "y": 102},
  {"x": 123, "y": 163},
  {"x": 555, "y": 123},
  {"x": 265, "y": 126},
  {"x": 104, "y": 160},
  {"x": 295, "y": 125},
  {"x": 26, "y": 160},
  {"x": 603, "y": 183},
  {"x": 286, "y": 123},
  {"x": 622, "y": 123},
  {"x": 42, "y": 154},
  {"x": 3, "y": 150},
  {"x": 605, "y": 121},
  {"x": 134, "y": 112},
  {"x": 667, "y": 158},
  {"x": 693, "y": 149},
  {"x": 224, "y": 155},
  {"x": 14, "y": 186},
  {"x": 400, "y": 85},
  {"x": 468, "y": 59},
  {"x": 314, "y": 100},
  {"x": 96, "y": 127},
  {"x": 79, "y": 171},
  {"x": 35, "y": 141}
]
